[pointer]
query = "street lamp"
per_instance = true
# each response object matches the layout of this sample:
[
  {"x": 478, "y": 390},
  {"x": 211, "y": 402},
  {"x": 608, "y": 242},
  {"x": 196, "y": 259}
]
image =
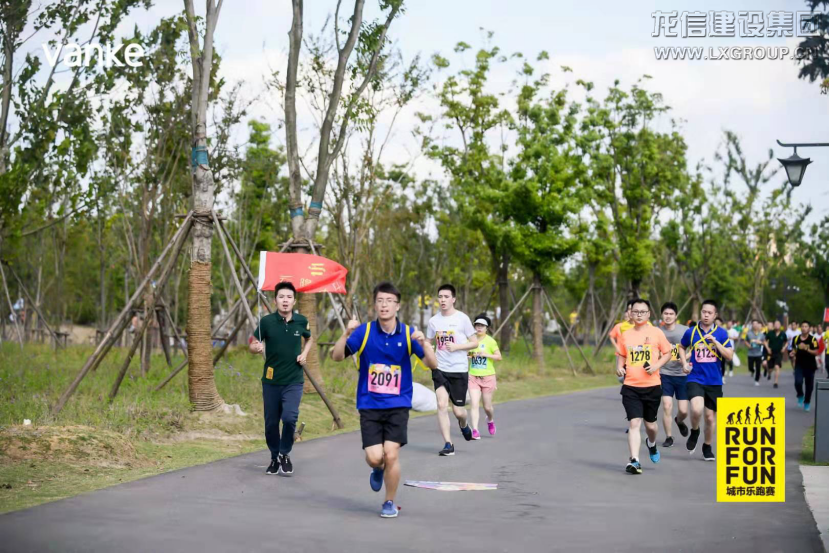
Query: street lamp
[{"x": 796, "y": 166}]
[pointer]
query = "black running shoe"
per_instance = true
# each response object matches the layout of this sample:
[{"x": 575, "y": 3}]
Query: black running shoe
[
  {"x": 286, "y": 468},
  {"x": 691, "y": 443},
  {"x": 669, "y": 442},
  {"x": 273, "y": 468},
  {"x": 633, "y": 467},
  {"x": 707, "y": 453},
  {"x": 775, "y": 385},
  {"x": 684, "y": 430},
  {"x": 448, "y": 450},
  {"x": 466, "y": 431}
]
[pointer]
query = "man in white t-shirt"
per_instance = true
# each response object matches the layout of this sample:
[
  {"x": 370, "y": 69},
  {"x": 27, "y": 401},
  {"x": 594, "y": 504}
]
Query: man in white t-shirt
[
  {"x": 792, "y": 332},
  {"x": 454, "y": 336}
]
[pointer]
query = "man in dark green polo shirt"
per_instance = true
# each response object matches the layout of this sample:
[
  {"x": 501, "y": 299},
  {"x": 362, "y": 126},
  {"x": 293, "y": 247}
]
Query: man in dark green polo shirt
[{"x": 281, "y": 335}]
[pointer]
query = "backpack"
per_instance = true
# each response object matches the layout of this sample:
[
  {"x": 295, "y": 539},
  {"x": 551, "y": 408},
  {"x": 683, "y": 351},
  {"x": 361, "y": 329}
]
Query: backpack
[{"x": 408, "y": 345}]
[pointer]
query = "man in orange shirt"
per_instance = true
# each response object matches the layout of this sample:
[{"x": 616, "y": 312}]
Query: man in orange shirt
[{"x": 642, "y": 350}]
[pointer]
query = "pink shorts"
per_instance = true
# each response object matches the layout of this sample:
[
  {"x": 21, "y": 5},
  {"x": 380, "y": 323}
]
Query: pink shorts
[{"x": 483, "y": 383}]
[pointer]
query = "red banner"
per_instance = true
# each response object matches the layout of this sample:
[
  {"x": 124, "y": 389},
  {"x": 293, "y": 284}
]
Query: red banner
[
  {"x": 826, "y": 315},
  {"x": 308, "y": 273}
]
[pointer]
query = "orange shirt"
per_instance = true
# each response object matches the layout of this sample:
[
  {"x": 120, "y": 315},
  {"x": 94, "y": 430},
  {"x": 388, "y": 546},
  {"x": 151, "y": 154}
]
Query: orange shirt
[{"x": 640, "y": 347}]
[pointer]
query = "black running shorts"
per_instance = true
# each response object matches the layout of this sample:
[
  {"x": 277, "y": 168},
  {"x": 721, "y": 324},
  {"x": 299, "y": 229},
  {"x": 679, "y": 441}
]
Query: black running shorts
[
  {"x": 383, "y": 425},
  {"x": 455, "y": 383},
  {"x": 641, "y": 403},
  {"x": 710, "y": 394}
]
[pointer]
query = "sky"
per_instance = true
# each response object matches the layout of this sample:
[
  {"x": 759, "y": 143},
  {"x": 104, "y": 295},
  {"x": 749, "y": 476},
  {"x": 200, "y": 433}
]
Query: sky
[{"x": 760, "y": 100}]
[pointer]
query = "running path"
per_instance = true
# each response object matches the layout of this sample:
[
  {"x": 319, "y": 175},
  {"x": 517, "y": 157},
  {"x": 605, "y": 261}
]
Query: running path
[{"x": 558, "y": 461}]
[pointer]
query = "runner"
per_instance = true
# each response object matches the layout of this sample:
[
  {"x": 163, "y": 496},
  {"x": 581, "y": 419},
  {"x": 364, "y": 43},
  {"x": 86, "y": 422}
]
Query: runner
[
  {"x": 280, "y": 335},
  {"x": 384, "y": 386},
  {"x": 616, "y": 333},
  {"x": 454, "y": 336},
  {"x": 711, "y": 346},
  {"x": 643, "y": 350},
  {"x": 804, "y": 351},
  {"x": 792, "y": 332},
  {"x": 672, "y": 377},
  {"x": 734, "y": 334},
  {"x": 483, "y": 375},
  {"x": 775, "y": 344},
  {"x": 755, "y": 342}
]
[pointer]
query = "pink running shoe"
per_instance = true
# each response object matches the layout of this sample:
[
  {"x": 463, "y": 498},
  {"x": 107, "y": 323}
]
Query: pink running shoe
[
  {"x": 476, "y": 435},
  {"x": 491, "y": 427}
]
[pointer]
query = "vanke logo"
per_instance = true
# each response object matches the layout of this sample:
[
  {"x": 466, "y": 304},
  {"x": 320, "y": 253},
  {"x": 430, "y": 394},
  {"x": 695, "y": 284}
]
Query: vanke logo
[{"x": 77, "y": 56}]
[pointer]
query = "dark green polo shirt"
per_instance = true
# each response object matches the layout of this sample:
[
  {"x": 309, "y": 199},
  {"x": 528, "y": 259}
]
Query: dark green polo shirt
[
  {"x": 776, "y": 342},
  {"x": 283, "y": 343}
]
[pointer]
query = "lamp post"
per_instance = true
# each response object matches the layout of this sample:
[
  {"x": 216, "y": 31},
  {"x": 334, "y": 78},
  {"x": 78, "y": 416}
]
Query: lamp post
[{"x": 796, "y": 166}]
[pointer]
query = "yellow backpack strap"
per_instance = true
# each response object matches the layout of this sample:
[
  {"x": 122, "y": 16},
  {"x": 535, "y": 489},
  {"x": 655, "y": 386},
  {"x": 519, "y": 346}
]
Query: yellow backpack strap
[
  {"x": 365, "y": 338},
  {"x": 418, "y": 362}
]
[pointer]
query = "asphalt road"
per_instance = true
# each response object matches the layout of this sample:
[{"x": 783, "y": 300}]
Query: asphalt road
[{"x": 558, "y": 462}]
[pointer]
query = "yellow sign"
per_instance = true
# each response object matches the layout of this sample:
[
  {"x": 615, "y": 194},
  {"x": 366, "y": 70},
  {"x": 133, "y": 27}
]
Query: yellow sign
[{"x": 751, "y": 456}]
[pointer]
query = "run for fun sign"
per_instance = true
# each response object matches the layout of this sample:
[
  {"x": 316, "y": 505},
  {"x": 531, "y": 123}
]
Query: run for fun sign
[{"x": 750, "y": 441}]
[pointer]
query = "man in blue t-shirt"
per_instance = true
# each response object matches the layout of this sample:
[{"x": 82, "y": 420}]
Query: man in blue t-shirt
[
  {"x": 711, "y": 348},
  {"x": 384, "y": 387}
]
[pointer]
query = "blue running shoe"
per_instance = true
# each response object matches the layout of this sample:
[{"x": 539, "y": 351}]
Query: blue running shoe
[
  {"x": 389, "y": 510},
  {"x": 653, "y": 454},
  {"x": 807, "y": 407},
  {"x": 801, "y": 401},
  {"x": 633, "y": 467},
  {"x": 376, "y": 479},
  {"x": 466, "y": 432},
  {"x": 448, "y": 450}
]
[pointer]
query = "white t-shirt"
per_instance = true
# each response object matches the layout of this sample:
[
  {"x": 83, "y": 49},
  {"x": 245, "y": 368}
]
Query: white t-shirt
[
  {"x": 455, "y": 328},
  {"x": 790, "y": 335},
  {"x": 733, "y": 334}
]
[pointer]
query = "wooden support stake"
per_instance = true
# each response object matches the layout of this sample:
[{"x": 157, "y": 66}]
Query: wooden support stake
[
  {"x": 552, "y": 305},
  {"x": 11, "y": 307},
  {"x": 252, "y": 321},
  {"x": 119, "y": 323},
  {"x": 165, "y": 274},
  {"x": 515, "y": 307},
  {"x": 34, "y": 306}
]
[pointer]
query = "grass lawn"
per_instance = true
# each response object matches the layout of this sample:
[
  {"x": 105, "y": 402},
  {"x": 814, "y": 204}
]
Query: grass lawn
[
  {"x": 92, "y": 444},
  {"x": 807, "y": 448}
]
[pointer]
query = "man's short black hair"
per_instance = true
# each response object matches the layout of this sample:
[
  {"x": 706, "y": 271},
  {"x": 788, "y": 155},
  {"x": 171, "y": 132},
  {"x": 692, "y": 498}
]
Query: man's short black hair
[
  {"x": 719, "y": 319},
  {"x": 449, "y": 287},
  {"x": 756, "y": 321},
  {"x": 641, "y": 300},
  {"x": 284, "y": 286},
  {"x": 806, "y": 321},
  {"x": 669, "y": 305},
  {"x": 631, "y": 302},
  {"x": 713, "y": 303},
  {"x": 386, "y": 288}
]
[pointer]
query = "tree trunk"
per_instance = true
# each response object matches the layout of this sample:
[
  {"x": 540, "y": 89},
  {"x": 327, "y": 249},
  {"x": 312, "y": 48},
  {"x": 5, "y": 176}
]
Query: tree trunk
[
  {"x": 538, "y": 325},
  {"x": 504, "y": 304},
  {"x": 308, "y": 308},
  {"x": 202, "y": 388}
]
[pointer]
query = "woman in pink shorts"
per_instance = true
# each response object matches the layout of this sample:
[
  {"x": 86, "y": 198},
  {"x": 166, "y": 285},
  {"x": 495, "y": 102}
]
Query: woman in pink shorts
[{"x": 483, "y": 375}]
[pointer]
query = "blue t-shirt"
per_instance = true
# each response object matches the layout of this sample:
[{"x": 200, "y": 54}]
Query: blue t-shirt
[
  {"x": 385, "y": 356},
  {"x": 706, "y": 361}
]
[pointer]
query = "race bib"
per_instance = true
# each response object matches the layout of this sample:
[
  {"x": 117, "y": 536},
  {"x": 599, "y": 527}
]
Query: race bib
[
  {"x": 675, "y": 355},
  {"x": 443, "y": 338},
  {"x": 638, "y": 356},
  {"x": 704, "y": 354},
  {"x": 385, "y": 379}
]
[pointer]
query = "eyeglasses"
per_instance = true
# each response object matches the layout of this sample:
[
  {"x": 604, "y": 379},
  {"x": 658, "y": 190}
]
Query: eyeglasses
[
  {"x": 640, "y": 312},
  {"x": 386, "y": 302}
]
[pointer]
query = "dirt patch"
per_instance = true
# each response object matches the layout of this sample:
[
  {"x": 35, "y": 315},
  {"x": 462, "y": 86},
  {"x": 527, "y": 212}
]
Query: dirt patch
[
  {"x": 219, "y": 435},
  {"x": 78, "y": 445}
]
